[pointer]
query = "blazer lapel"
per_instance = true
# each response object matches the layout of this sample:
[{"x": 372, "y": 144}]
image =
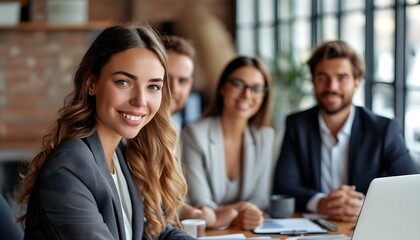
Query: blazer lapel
[
  {"x": 135, "y": 195},
  {"x": 96, "y": 146},
  {"x": 249, "y": 164},
  {"x": 356, "y": 140},
  {"x": 216, "y": 159},
  {"x": 315, "y": 147}
]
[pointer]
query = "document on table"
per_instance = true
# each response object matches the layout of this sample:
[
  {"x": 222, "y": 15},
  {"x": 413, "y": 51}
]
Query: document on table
[
  {"x": 226, "y": 236},
  {"x": 289, "y": 226},
  {"x": 234, "y": 236},
  {"x": 321, "y": 237}
]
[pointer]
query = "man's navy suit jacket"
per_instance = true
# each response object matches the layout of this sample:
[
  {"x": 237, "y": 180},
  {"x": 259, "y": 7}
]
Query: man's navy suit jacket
[{"x": 377, "y": 148}]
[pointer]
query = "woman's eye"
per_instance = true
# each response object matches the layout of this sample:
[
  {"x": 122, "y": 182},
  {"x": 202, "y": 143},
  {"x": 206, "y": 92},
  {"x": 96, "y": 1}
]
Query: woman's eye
[
  {"x": 257, "y": 89},
  {"x": 154, "y": 87},
  {"x": 122, "y": 83},
  {"x": 238, "y": 84}
]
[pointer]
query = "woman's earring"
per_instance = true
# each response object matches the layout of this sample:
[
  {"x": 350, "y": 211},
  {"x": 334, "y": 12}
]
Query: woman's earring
[{"x": 90, "y": 93}]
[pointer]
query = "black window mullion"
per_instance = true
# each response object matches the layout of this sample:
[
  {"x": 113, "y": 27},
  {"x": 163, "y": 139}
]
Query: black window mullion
[
  {"x": 277, "y": 33},
  {"x": 257, "y": 27},
  {"x": 314, "y": 23},
  {"x": 339, "y": 18},
  {"x": 400, "y": 76},
  {"x": 369, "y": 52}
]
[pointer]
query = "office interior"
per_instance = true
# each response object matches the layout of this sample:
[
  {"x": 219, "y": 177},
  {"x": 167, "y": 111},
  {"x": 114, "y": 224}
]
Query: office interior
[{"x": 38, "y": 56}]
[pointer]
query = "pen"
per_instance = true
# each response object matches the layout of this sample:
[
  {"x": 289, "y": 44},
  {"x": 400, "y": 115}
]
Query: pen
[
  {"x": 327, "y": 224},
  {"x": 294, "y": 232}
]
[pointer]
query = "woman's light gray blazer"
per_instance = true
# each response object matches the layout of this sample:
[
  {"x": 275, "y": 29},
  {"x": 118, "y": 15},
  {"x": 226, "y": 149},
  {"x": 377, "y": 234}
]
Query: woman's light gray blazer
[{"x": 204, "y": 162}]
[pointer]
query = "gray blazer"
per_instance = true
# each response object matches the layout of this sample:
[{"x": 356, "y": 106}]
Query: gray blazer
[
  {"x": 204, "y": 160},
  {"x": 74, "y": 197}
]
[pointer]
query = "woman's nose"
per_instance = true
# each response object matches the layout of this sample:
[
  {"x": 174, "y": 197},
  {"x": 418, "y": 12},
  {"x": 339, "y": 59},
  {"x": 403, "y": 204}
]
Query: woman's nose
[
  {"x": 138, "y": 98},
  {"x": 247, "y": 91}
]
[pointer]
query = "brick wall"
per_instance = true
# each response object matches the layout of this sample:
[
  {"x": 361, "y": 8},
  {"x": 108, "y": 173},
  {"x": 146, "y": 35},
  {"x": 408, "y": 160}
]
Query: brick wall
[
  {"x": 36, "y": 69},
  {"x": 37, "y": 66}
]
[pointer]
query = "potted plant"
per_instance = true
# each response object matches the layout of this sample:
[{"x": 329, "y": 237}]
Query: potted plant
[{"x": 291, "y": 84}]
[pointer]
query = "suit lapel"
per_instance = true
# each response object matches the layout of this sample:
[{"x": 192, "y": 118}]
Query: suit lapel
[
  {"x": 356, "y": 140},
  {"x": 96, "y": 147},
  {"x": 249, "y": 164},
  {"x": 315, "y": 147},
  {"x": 135, "y": 195},
  {"x": 216, "y": 159}
]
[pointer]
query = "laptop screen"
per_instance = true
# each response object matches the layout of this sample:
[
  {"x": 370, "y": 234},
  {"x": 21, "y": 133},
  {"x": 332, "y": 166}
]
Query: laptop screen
[{"x": 391, "y": 209}]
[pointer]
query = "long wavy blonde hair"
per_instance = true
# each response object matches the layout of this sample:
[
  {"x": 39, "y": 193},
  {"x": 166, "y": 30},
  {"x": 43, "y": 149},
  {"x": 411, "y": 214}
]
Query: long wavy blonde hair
[{"x": 150, "y": 154}]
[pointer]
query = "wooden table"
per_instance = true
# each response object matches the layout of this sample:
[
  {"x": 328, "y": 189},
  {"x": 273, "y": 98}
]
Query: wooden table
[{"x": 345, "y": 228}]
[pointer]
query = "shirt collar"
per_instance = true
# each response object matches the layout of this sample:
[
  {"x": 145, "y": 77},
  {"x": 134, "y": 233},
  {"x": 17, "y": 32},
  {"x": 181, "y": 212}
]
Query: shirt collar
[{"x": 346, "y": 129}]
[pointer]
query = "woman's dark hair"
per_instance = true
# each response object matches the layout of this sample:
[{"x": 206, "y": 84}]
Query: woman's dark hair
[{"x": 262, "y": 117}]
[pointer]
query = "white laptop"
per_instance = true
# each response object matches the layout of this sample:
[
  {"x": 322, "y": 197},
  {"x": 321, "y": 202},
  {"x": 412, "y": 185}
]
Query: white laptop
[{"x": 391, "y": 210}]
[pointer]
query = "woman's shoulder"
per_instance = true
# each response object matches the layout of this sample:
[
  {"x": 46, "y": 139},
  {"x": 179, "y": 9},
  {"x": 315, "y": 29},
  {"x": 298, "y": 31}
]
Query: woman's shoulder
[
  {"x": 265, "y": 131},
  {"x": 70, "y": 154},
  {"x": 202, "y": 123},
  {"x": 202, "y": 131}
]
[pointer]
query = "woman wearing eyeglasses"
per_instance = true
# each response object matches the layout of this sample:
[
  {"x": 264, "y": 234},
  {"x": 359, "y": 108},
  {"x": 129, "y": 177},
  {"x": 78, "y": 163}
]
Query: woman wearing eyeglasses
[{"x": 228, "y": 153}]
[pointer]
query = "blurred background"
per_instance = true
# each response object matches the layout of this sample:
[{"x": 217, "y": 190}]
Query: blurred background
[{"x": 42, "y": 41}]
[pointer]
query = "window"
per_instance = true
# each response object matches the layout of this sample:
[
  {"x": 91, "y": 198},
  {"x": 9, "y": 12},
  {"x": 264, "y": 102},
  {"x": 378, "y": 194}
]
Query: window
[
  {"x": 381, "y": 30},
  {"x": 412, "y": 55}
]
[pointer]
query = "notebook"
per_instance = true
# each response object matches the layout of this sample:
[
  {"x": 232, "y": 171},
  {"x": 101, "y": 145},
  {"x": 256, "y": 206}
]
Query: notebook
[
  {"x": 289, "y": 226},
  {"x": 391, "y": 210}
]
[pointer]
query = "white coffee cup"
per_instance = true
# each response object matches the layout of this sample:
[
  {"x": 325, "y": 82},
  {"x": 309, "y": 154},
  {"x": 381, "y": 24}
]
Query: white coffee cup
[{"x": 194, "y": 227}]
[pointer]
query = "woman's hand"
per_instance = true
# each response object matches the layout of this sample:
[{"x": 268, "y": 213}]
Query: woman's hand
[
  {"x": 249, "y": 216},
  {"x": 224, "y": 217},
  {"x": 202, "y": 212}
]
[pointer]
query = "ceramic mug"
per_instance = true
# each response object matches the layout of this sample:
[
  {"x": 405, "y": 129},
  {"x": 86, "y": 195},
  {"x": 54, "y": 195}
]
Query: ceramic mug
[
  {"x": 194, "y": 227},
  {"x": 282, "y": 206}
]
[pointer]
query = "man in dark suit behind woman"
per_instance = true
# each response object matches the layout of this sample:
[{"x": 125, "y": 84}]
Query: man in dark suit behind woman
[
  {"x": 8, "y": 229},
  {"x": 331, "y": 152}
]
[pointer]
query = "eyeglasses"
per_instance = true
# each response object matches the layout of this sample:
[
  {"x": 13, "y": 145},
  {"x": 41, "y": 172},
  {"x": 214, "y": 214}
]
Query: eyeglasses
[{"x": 257, "y": 90}]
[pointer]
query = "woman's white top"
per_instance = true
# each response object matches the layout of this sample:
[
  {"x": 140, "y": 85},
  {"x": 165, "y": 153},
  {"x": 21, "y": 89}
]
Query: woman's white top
[
  {"x": 233, "y": 190},
  {"x": 124, "y": 195}
]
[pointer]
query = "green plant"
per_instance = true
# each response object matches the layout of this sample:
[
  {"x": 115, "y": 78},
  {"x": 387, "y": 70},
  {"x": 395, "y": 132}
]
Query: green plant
[
  {"x": 292, "y": 75},
  {"x": 291, "y": 83}
]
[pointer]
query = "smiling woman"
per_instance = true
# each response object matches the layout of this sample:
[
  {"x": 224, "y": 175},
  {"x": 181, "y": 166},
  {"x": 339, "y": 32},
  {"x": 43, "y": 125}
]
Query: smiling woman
[
  {"x": 87, "y": 183},
  {"x": 227, "y": 154},
  {"x": 128, "y": 90}
]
